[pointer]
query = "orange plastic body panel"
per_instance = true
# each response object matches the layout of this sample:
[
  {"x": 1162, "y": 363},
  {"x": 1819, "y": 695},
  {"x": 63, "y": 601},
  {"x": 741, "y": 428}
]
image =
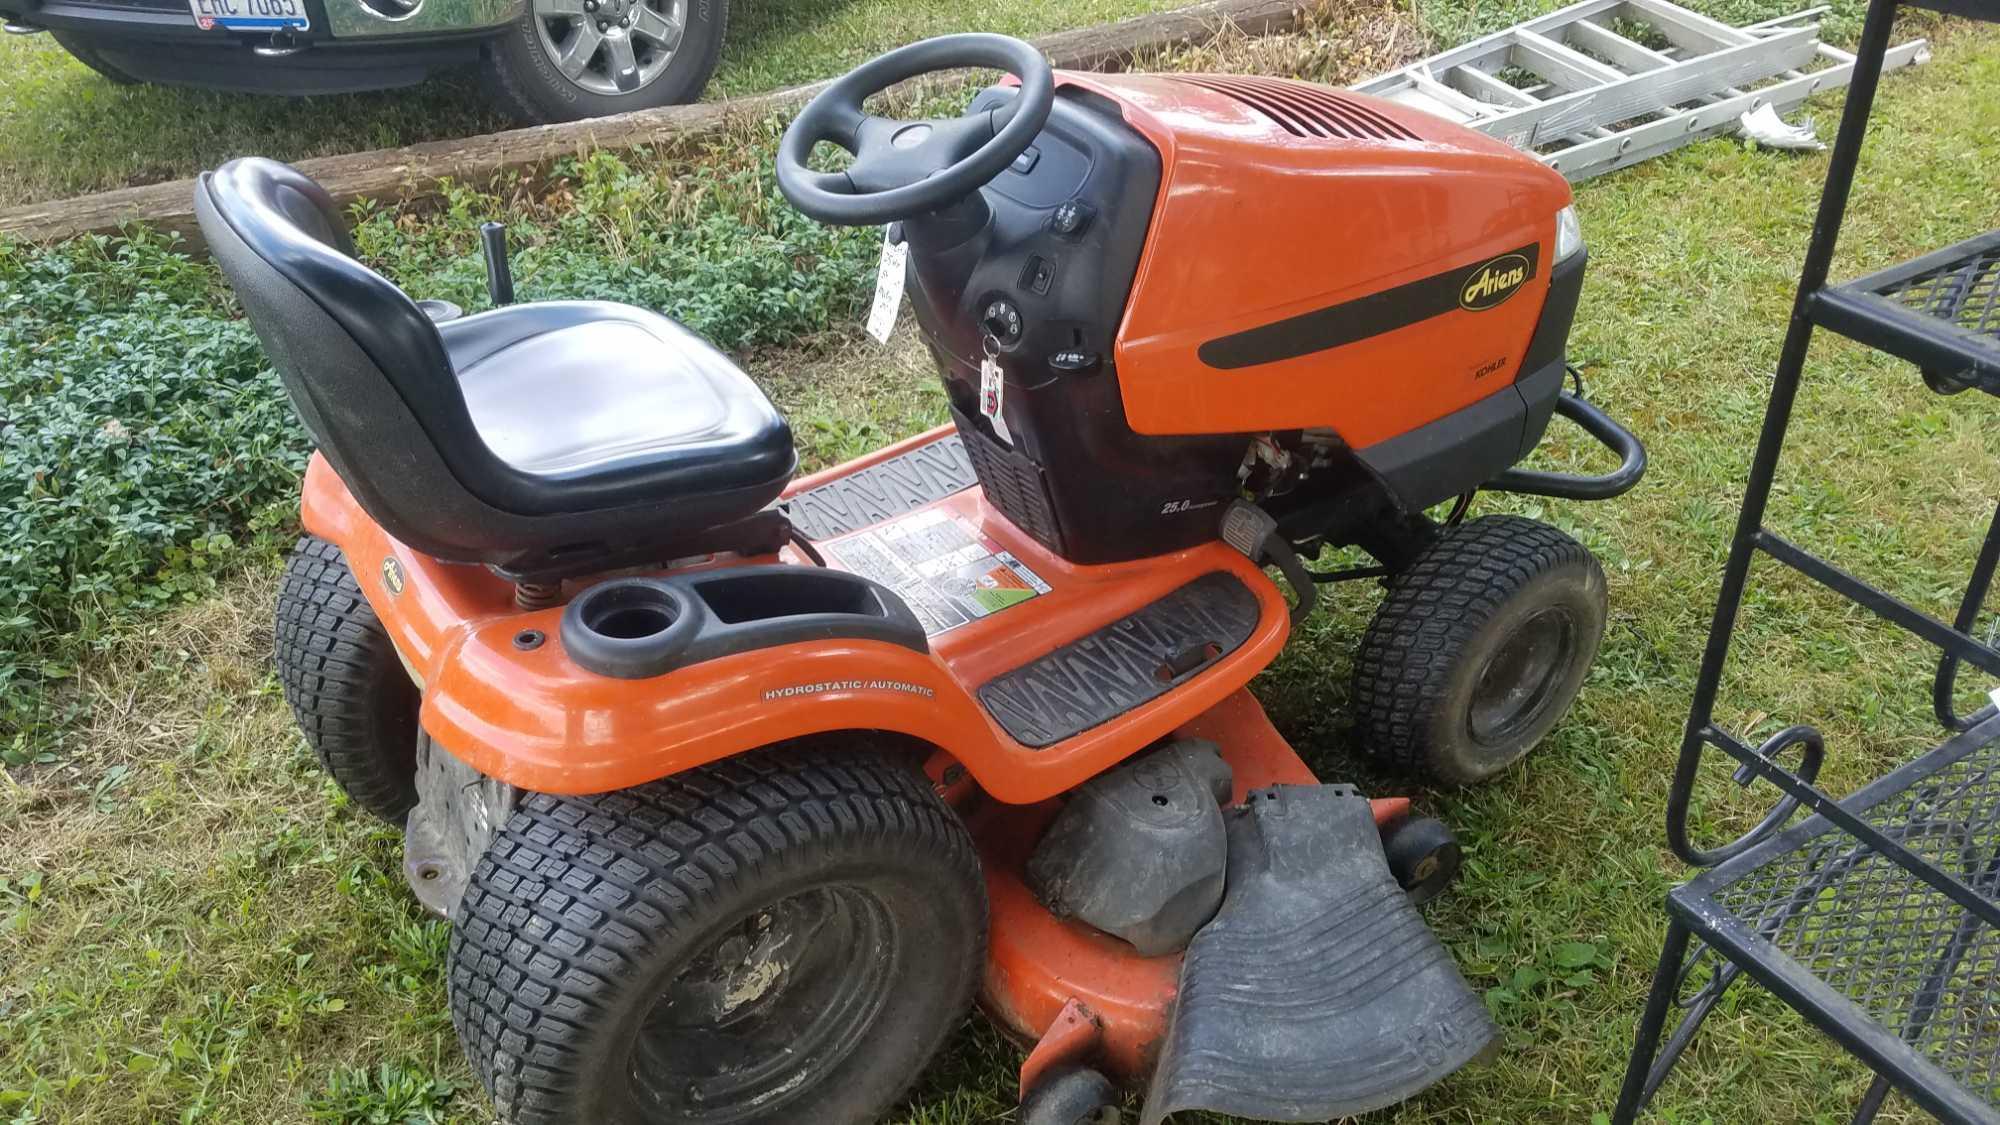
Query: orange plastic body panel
[
  {"x": 1254, "y": 224},
  {"x": 1036, "y": 963},
  {"x": 535, "y": 719}
]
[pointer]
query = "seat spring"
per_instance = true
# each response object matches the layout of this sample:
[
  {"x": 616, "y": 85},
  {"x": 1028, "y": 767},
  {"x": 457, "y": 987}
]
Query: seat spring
[{"x": 537, "y": 595}]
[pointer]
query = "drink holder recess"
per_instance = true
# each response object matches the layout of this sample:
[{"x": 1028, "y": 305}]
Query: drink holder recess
[{"x": 635, "y": 628}]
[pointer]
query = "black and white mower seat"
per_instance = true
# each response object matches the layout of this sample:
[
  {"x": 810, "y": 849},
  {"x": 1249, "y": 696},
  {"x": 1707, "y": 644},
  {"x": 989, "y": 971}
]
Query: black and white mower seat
[
  {"x": 576, "y": 390},
  {"x": 542, "y": 439}
]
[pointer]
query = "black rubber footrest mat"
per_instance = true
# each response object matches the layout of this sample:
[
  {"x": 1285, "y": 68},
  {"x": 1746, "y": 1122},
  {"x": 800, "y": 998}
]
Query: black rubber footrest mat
[
  {"x": 883, "y": 491},
  {"x": 1317, "y": 992},
  {"x": 1097, "y": 678}
]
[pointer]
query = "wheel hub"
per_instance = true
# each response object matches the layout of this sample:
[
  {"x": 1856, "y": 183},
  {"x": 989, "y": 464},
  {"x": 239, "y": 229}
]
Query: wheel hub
[
  {"x": 775, "y": 1001},
  {"x": 1522, "y": 675},
  {"x": 610, "y": 47}
]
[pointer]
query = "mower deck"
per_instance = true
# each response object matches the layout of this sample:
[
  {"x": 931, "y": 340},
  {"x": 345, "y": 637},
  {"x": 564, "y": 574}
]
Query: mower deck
[{"x": 1036, "y": 963}]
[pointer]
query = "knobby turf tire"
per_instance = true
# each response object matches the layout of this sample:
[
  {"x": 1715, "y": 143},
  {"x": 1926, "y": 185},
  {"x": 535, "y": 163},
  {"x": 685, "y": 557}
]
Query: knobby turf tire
[
  {"x": 1411, "y": 689},
  {"x": 583, "y": 909},
  {"x": 354, "y": 702}
]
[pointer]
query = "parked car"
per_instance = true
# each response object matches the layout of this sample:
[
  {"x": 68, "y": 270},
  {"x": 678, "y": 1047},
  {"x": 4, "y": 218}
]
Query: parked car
[{"x": 544, "y": 60}]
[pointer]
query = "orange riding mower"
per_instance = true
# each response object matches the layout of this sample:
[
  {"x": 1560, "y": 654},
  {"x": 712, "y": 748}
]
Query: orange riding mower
[{"x": 737, "y": 788}]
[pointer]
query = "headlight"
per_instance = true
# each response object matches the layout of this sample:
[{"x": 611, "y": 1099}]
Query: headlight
[{"x": 1569, "y": 233}]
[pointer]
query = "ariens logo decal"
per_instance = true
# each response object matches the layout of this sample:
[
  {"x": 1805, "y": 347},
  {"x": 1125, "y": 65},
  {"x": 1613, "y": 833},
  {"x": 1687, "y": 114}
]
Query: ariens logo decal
[
  {"x": 1491, "y": 284},
  {"x": 392, "y": 576},
  {"x": 849, "y": 685},
  {"x": 1473, "y": 288}
]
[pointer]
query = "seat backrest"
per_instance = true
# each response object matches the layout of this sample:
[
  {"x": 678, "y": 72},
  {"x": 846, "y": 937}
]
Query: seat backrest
[{"x": 363, "y": 365}]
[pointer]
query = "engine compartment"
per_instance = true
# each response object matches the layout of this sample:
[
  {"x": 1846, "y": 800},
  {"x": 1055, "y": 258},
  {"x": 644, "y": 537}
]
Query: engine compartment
[{"x": 1388, "y": 334}]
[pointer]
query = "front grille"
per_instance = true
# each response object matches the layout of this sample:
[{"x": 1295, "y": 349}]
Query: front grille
[{"x": 1305, "y": 109}]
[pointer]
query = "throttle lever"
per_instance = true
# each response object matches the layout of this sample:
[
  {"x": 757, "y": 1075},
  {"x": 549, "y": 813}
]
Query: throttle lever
[{"x": 499, "y": 275}]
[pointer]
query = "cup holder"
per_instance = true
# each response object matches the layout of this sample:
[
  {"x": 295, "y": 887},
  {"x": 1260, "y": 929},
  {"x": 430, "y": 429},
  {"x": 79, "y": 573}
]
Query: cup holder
[
  {"x": 628, "y": 628},
  {"x": 638, "y": 627}
]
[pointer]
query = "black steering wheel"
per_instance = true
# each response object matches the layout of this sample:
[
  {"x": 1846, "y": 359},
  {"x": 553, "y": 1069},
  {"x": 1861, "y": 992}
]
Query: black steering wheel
[{"x": 902, "y": 169}]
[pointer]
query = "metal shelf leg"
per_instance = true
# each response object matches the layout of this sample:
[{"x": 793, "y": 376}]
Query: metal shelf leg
[{"x": 1666, "y": 984}]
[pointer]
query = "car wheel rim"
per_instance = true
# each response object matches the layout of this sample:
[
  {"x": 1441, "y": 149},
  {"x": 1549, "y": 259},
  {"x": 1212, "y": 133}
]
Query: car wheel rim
[
  {"x": 776, "y": 1002},
  {"x": 1524, "y": 673},
  {"x": 610, "y": 47}
]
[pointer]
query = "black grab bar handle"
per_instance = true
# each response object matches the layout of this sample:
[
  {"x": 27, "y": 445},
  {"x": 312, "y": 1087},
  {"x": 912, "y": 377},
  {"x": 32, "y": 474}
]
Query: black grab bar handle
[{"x": 1575, "y": 486}]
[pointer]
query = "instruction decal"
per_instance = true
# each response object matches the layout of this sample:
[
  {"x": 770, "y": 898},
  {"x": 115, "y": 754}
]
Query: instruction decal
[{"x": 940, "y": 565}]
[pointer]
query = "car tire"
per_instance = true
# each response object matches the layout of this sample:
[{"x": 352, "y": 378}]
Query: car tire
[
  {"x": 80, "y": 49},
  {"x": 353, "y": 701},
  {"x": 522, "y": 71},
  {"x": 785, "y": 937},
  {"x": 1479, "y": 649}
]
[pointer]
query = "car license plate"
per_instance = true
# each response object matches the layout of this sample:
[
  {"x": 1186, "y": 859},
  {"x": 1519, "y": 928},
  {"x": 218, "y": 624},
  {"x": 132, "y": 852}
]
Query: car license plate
[{"x": 250, "y": 15}]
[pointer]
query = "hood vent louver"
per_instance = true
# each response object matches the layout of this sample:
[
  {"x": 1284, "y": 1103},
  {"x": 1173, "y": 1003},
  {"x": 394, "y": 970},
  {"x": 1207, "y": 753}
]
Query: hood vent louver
[{"x": 1304, "y": 109}]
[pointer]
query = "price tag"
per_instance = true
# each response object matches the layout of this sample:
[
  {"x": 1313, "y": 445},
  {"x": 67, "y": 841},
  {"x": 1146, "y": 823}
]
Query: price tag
[
  {"x": 993, "y": 392},
  {"x": 888, "y": 288}
]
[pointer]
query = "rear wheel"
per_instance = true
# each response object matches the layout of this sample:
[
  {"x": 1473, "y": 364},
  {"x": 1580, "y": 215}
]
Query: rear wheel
[
  {"x": 782, "y": 937},
  {"x": 565, "y": 60},
  {"x": 354, "y": 702},
  {"x": 1479, "y": 648}
]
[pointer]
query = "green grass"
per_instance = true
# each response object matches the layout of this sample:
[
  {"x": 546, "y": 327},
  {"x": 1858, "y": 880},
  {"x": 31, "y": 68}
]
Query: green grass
[
  {"x": 193, "y": 926},
  {"x": 70, "y": 131}
]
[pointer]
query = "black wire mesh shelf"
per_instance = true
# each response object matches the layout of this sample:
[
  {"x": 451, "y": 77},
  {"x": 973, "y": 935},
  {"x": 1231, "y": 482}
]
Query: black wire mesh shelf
[
  {"x": 1895, "y": 970},
  {"x": 1941, "y": 312}
]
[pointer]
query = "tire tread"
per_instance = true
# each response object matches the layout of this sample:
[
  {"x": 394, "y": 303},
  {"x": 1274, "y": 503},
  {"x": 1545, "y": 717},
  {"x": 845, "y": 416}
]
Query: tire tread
[
  {"x": 1432, "y": 609},
  {"x": 346, "y": 686},
  {"x": 573, "y": 891}
]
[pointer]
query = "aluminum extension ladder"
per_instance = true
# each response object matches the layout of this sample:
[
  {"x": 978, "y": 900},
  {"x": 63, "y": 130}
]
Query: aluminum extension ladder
[{"x": 1604, "y": 84}]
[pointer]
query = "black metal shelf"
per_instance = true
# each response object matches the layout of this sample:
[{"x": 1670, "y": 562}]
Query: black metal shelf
[
  {"x": 1878, "y": 917},
  {"x": 1872, "y": 954},
  {"x": 1940, "y": 312}
]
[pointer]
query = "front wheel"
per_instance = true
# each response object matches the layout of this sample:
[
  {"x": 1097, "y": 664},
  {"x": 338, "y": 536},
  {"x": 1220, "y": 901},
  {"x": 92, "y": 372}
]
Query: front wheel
[
  {"x": 565, "y": 60},
  {"x": 1479, "y": 649},
  {"x": 786, "y": 936}
]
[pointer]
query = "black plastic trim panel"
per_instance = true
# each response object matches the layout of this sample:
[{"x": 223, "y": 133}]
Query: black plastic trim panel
[
  {"x": 1131, "y": 661},
  {"x": 884, "y": 490}
]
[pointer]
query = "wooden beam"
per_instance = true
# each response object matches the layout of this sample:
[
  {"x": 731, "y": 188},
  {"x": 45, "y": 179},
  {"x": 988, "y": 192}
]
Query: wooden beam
[{"x": 412, "y": 172}]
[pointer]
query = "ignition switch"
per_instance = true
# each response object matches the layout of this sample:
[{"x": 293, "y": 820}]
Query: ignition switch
[{"x": 1002, "y": 320}]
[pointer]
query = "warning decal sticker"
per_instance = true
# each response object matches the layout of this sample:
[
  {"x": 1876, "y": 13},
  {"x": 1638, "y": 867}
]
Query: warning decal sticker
[{"x": 944, "y": 570}]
